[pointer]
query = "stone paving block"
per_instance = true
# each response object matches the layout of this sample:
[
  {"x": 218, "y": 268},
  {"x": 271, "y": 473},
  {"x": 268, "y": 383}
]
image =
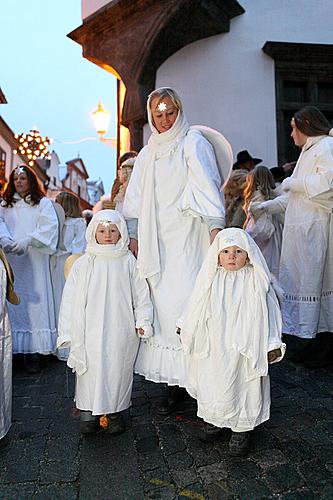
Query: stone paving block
[
  {"x": 32, "y": 428},
  {"x": 315, "y": 474},
  {"x": 249, "y": 489},
  {"x": 147, "y": 444},
  {"x": 181, "y": 459},
  {"x": 263, "y": 439},
  {"x": 59, "y": 491},
  {"x": 303, "y": 494},
  {"x": 17, "y": 491},
  {"x": 22, "y": 469},
  {"x": 221, "y": 490},
  {"x": 171, "y": 438},
  {"x": 58, "y": 448},
  {"x": 184, "y": 477},
  {"x": 213, "y": 472},
  {"x": 59, "y": 471},
  {"x": 268, "y": 458},
  {"x": 283, "y": 478},
  {"x": 161, "y": 494},
  {"x": 297, "y": 451}
]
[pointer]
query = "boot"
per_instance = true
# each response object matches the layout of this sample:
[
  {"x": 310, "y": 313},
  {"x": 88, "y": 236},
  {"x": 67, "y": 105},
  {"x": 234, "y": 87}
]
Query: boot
[
  {"x": 116, "y": 424},
  {"x": 89, "y": 423},
  {"x": 32, "y": 363},
  {"x": 322, "y": 352},
  {"x": 175, "y": 395},
  {"x": 239, "y": 444},
  {"x": 210, "y": 433}
]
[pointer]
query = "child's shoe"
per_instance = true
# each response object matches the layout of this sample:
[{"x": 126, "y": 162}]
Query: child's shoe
[
  {"x": 239, "y": 444},
  {"x": 89, "y": 423},
  {"x": 210, "y": 433},
  {"x": 116, "y": 424}
]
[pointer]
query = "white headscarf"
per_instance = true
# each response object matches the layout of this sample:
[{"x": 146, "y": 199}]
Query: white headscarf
[
  {"x": 77, "y": 359},
  {"x": 250, "y": 325}
]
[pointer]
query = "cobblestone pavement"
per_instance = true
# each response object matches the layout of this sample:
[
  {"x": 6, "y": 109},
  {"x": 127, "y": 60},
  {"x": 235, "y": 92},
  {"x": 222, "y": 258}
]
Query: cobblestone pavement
[{"x": 45, "y": 457}]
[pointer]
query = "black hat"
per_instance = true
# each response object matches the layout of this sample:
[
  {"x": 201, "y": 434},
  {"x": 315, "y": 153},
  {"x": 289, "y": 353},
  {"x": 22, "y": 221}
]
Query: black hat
[{"x": 244, "y": 156}]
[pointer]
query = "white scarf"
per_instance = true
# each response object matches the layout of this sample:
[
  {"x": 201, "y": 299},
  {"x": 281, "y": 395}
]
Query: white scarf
[
  {"x": 158, "y": 145},
  {"x": 77, "y": 359},
  {"x": 247, "y": 321}
]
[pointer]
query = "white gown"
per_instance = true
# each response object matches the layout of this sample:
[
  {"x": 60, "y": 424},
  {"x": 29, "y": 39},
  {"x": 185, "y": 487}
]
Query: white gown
[
  {"x": 183, "y": 240},
  {"x": 5, "y": 359},
  {"x": 114, "y": 301},
  {"x": 33, "y": 320},
  {"x": 306, "y": 268}
]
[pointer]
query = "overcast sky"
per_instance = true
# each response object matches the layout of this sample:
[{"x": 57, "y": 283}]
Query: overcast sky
[{"x": 49, "y": 84}]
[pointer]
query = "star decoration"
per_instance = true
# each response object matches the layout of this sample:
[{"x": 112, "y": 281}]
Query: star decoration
[
  {"x": 105, "y": 223},
  {"x": 162, "y": 106},
  {"x": 19, "y": 170}
]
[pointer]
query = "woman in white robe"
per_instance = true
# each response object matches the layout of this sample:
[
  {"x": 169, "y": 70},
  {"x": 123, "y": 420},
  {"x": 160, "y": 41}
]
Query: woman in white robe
[
  {"x": 174, "y": 193},
  {"x": 306, "y": 268},
  {"x": 104, "y": 302},
  {"x": 28, "y": 234},
  {"x": 230, "y": 331}
]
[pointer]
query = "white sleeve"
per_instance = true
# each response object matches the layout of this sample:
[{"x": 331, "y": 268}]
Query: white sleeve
[
  {"x": 261, "y": 229},
  {"x": 45, "y": 235},
  {"x": 202, "y": 195},
  {"x": 275, "y": 324},
  {"x": 66, "y": 308},
  {"x": 78, "y": 244},
  {"x": 142, "y": 305},
  {"x": 4, "y": 232},
  {"x": 319, "y": 186},
  {"x": 276, "y": 206}
]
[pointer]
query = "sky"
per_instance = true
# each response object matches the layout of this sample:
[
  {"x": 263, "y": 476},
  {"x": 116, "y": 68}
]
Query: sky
[{"x": 49, "y": 84}]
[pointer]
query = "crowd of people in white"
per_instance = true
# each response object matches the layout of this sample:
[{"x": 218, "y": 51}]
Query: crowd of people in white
[{"x": 178, "y": 283}]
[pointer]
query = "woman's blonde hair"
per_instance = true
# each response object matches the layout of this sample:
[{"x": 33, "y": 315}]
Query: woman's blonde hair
[
  {"x": 259, "y": 179},
  {"x": 70, "y": 203},
  {"x": 166, "y": 92}
]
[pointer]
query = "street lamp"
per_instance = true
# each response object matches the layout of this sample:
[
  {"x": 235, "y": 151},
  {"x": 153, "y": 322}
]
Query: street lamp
[{"x": 101, "y": 119}]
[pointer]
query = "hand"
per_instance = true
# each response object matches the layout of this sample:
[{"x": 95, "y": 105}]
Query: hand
[
  {"x": 256, "y": 209},
  {"x": 274, "y": 355},
  {"x": 213, "y": 234},
  {"x": 134, "y": 247},
  {"x": 7, "y": 244},
  {"x": 140, "y": 331},
  {"x": 20, "y": 247}
]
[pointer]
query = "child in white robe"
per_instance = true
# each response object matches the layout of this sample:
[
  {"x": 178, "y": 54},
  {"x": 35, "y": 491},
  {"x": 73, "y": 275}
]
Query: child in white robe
[
  {"x": 105, "y": 308},
  {"x": 231, "y": 331}
]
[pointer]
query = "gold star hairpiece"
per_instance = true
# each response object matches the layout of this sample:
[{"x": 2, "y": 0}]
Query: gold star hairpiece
[{"x": 162, "y": 106}]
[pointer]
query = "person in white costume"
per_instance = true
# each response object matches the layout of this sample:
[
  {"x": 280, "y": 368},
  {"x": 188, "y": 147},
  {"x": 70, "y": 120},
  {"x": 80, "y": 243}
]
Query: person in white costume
[
  {"x": 126, "y": 169},
  {"x": 174, "y": 194},
  {"x": 29, "y": 234},
  {"x": 230, "y": 331},
  {"x": 306, "y": 269},
  {"x": 72, "y": 241},
  {"x": 6, "y": 292},
  {"x": 266, "y": 230},
  {"x": 104, "y": 302}
]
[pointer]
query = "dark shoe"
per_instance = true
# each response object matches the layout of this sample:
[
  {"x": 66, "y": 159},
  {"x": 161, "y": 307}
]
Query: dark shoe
[
  {"x": 210, "y": 433},
  {"x": 89, "y": 423},
  {"x": 174, "y": 397},
  {"x": 32, "y": 363},
  {"x": 322, "y": 353},
  {"x": 239, "y": 444},
  {"x": 116, "y": 424}
]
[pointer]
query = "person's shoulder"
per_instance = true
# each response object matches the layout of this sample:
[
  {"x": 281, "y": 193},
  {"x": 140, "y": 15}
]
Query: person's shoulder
[
  {"x": 194, "y": 140},
  {"x": 46, "y": 203}
]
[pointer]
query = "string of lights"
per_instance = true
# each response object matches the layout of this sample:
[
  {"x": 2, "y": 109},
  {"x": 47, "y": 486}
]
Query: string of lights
[{"x": 33, "y": 145}]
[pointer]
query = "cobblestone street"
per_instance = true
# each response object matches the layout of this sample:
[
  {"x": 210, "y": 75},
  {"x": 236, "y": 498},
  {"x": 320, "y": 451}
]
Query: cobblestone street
[{"x": 45, "y": 457}]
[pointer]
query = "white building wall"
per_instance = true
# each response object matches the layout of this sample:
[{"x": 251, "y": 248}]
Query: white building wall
[
  {"x": 12, "y": 161},
  {"x": 88, "y": 7},
  {"x": 227, "y": 81}
]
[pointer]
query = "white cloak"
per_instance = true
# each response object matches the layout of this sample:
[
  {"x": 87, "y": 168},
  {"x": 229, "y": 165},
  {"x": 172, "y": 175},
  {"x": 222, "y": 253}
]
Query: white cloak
[
  {"x": 5, "y": 359},
  {"x": 306, "y": 266},
  {"x": 113, "y": 301},
  {"x": 186, "y": 190},
  {"x": 231, "y": 322},
  {"x": 33, "y": 320}
]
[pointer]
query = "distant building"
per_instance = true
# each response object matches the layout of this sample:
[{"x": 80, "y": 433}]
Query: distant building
[
  {"x": 51, "y": 169},
  {"x": 243, "y": 67},
  {"x": 76, "y": 181},
  {"x": 95, "y": 190}
]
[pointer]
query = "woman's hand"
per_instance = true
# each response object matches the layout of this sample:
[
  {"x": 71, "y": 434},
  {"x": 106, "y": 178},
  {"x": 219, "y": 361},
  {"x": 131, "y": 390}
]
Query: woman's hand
[
  {"x": 134, "y": 247},
  {"x": 213, "y": 234},
  {"x": 274, "y": 355}
]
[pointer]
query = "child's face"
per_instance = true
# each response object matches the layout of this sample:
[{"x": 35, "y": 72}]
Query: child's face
[
  {"x": 107, "y": 234},
  {"x": 233, "y": 258}
]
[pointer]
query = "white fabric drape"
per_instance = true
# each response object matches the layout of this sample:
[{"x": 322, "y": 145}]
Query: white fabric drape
[
  {"x": 104, "y": 301},
  {"x": 33, "y": 320},
  {"x": 5, "y": 359}
]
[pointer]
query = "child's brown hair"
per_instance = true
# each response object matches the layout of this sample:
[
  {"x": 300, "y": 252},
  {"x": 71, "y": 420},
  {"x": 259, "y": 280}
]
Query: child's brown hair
[{"x": 70, "y": 203}]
